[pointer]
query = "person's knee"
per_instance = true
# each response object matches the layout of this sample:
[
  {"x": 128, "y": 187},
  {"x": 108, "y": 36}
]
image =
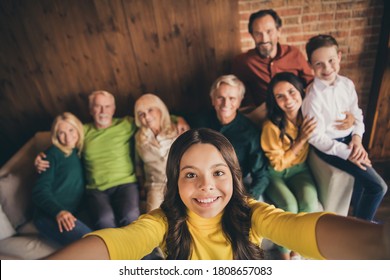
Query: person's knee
[
  {"x": 105, "y": 220},
  {"x": 130, "y": 217},
  {"x": 288, "y": 206},
  {"x": 308, "y": 206},
  {"x": 380, "y": 188},
  {"x": 81, "y": 228},
  {"x": 385, "y": 187},
  {"x": 292, "y": 207}
]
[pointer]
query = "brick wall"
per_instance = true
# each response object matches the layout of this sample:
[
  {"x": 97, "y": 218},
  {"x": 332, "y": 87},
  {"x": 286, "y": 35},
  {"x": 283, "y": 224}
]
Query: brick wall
[{"x": 354, "y": 23}]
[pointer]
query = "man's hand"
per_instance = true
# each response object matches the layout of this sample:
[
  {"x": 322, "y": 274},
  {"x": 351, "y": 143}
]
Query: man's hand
[
  {"x": 345, "y": 123},
  {"x": 40, "y": 164},
  {"x": 65, "y": 221},
  {"x": 181, "y": 125}
]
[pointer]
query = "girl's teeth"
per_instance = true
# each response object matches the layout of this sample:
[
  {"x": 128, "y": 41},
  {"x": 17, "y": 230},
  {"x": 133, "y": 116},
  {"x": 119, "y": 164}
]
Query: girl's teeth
[{"x": 207, "y": 200}]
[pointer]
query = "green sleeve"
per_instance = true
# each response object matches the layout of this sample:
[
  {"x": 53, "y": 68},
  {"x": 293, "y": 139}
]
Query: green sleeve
[
  {"x": 259, "y": 169},
  {"x": 174, "y": 119},
  {"x": 42, "y": 193}
]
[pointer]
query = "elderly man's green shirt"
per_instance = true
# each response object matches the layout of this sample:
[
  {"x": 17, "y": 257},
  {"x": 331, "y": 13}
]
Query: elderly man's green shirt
[{"x": 108, "y": 154}]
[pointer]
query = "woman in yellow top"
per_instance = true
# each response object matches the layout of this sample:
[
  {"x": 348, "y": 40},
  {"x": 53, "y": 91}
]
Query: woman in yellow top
[
  {"x": 284, "y": 140},
  {"x": 207, "y": 215}
]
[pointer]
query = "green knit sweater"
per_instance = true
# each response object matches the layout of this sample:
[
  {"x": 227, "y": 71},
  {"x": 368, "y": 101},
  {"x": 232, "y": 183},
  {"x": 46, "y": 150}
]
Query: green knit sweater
[{"x": 60, "y": 187}]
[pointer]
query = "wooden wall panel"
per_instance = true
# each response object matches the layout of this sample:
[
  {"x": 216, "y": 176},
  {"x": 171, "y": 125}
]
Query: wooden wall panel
[
  {"x": 54, "y": 53},
  {"x": 377, "y": 119},
  {"x": 380, "y": 140}
]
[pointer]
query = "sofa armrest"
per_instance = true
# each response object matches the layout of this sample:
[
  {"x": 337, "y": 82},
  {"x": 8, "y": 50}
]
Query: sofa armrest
[
  {"x": 17, "y": 177},
  {"x": 335, "y": 186},
  {"x": 25, "y": 156}
]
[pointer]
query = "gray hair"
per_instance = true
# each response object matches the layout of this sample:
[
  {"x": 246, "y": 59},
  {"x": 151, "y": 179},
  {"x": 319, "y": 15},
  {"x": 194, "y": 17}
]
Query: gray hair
[
  {"x": 230, "y": 80},
  {"x": 91, "y": 97}
]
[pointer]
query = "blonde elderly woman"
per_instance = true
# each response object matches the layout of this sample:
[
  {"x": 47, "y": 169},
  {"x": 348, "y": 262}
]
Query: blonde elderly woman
[
  {"x": 58, "y": 193},
  {"x": 154, "y": 138}
]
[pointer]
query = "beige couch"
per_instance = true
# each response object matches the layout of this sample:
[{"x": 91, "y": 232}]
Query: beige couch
[
  {"x": 334, "y": 185},
  {"x": 19, "y": 238}
]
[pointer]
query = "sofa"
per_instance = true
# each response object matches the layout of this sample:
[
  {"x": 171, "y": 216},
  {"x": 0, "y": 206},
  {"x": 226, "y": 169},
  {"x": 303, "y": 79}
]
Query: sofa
[
  {"x": 335, "y": 187},
  {"x": 19, "y": 239}
]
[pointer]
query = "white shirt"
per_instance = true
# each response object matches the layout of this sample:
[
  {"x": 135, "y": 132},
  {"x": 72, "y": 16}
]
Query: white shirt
[{"x": 326, "y": 103}]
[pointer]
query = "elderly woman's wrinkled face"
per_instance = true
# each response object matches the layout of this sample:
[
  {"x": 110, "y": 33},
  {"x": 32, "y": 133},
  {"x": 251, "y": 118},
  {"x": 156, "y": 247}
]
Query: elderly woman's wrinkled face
[{"x": 149, "y": 116}]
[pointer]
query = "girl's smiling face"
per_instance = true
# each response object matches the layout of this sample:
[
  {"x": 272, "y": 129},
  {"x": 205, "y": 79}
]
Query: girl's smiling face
[{"x": 205, "y": 181}]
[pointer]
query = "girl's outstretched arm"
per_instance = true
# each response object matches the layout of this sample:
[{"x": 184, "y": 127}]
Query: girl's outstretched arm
[
  {"x": 88, "y": 248},
  {"x": 349, "y": 238}
]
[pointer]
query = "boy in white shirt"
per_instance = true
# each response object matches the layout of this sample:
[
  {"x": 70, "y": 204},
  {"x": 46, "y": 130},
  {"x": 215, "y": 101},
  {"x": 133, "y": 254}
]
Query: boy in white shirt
[{"x": 328, "y": 99}]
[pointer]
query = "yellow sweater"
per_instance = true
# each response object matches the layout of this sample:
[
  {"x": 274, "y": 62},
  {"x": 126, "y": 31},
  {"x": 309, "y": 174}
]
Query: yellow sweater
[
  {"x": 296, "y": 232},
  {"x": 277, "y": 151}
]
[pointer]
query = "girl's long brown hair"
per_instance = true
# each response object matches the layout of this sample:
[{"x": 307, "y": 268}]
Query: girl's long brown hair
[{"x": 236, "y": 219}]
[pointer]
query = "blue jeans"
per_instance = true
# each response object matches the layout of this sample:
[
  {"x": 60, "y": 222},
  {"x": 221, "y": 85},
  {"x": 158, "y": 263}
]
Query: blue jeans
[
  {"x": 114, "y": 207},
  {"x": 369, "y": 187},
  {"x": 48, "y": 227}
]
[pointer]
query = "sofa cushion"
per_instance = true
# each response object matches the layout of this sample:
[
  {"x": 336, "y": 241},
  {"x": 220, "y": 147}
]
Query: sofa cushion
[
  {"x": 28, "y": 247},
  {"x": 17, "y": 177},
  {"x": 335, "y": 186},
  {"x": 15, "y": 197},
  {"x": 6, "y": 229},
  {"x": 28, "y": 229}
]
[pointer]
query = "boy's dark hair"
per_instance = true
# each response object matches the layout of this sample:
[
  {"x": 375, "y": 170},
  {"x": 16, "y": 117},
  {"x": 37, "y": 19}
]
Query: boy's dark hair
[
  {"x": 262, "y": 13},
  {"x": 319, "y": 41}
]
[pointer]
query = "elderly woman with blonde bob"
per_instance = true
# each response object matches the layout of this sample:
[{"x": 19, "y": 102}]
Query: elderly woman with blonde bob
[
  {"x": 58, "y": 192},
  {"x": 153, "y": 140}
]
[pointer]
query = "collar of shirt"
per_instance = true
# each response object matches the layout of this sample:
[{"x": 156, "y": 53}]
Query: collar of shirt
[{"x": 321, "y": 85}]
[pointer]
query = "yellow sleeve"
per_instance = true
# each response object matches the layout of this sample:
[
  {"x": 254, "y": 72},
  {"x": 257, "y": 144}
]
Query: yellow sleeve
[
  {"x": 293, "y": 231},
  {"x": 136, "y": 240},
  {"x": 280, "y": 157}
]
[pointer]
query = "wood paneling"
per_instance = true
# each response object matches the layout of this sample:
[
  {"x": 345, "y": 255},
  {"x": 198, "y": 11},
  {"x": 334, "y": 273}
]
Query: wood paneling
[
  {"x": 377, "y": 136},
  {"x": 54, "y": 53},
  {"x": 380, "y": 137}
]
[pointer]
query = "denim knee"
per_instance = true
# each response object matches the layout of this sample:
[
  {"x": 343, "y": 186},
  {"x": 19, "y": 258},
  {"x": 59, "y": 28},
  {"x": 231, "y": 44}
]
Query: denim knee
[
  {"x": 129, "y": 218},
  {"x": 105, "y": 220}
]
